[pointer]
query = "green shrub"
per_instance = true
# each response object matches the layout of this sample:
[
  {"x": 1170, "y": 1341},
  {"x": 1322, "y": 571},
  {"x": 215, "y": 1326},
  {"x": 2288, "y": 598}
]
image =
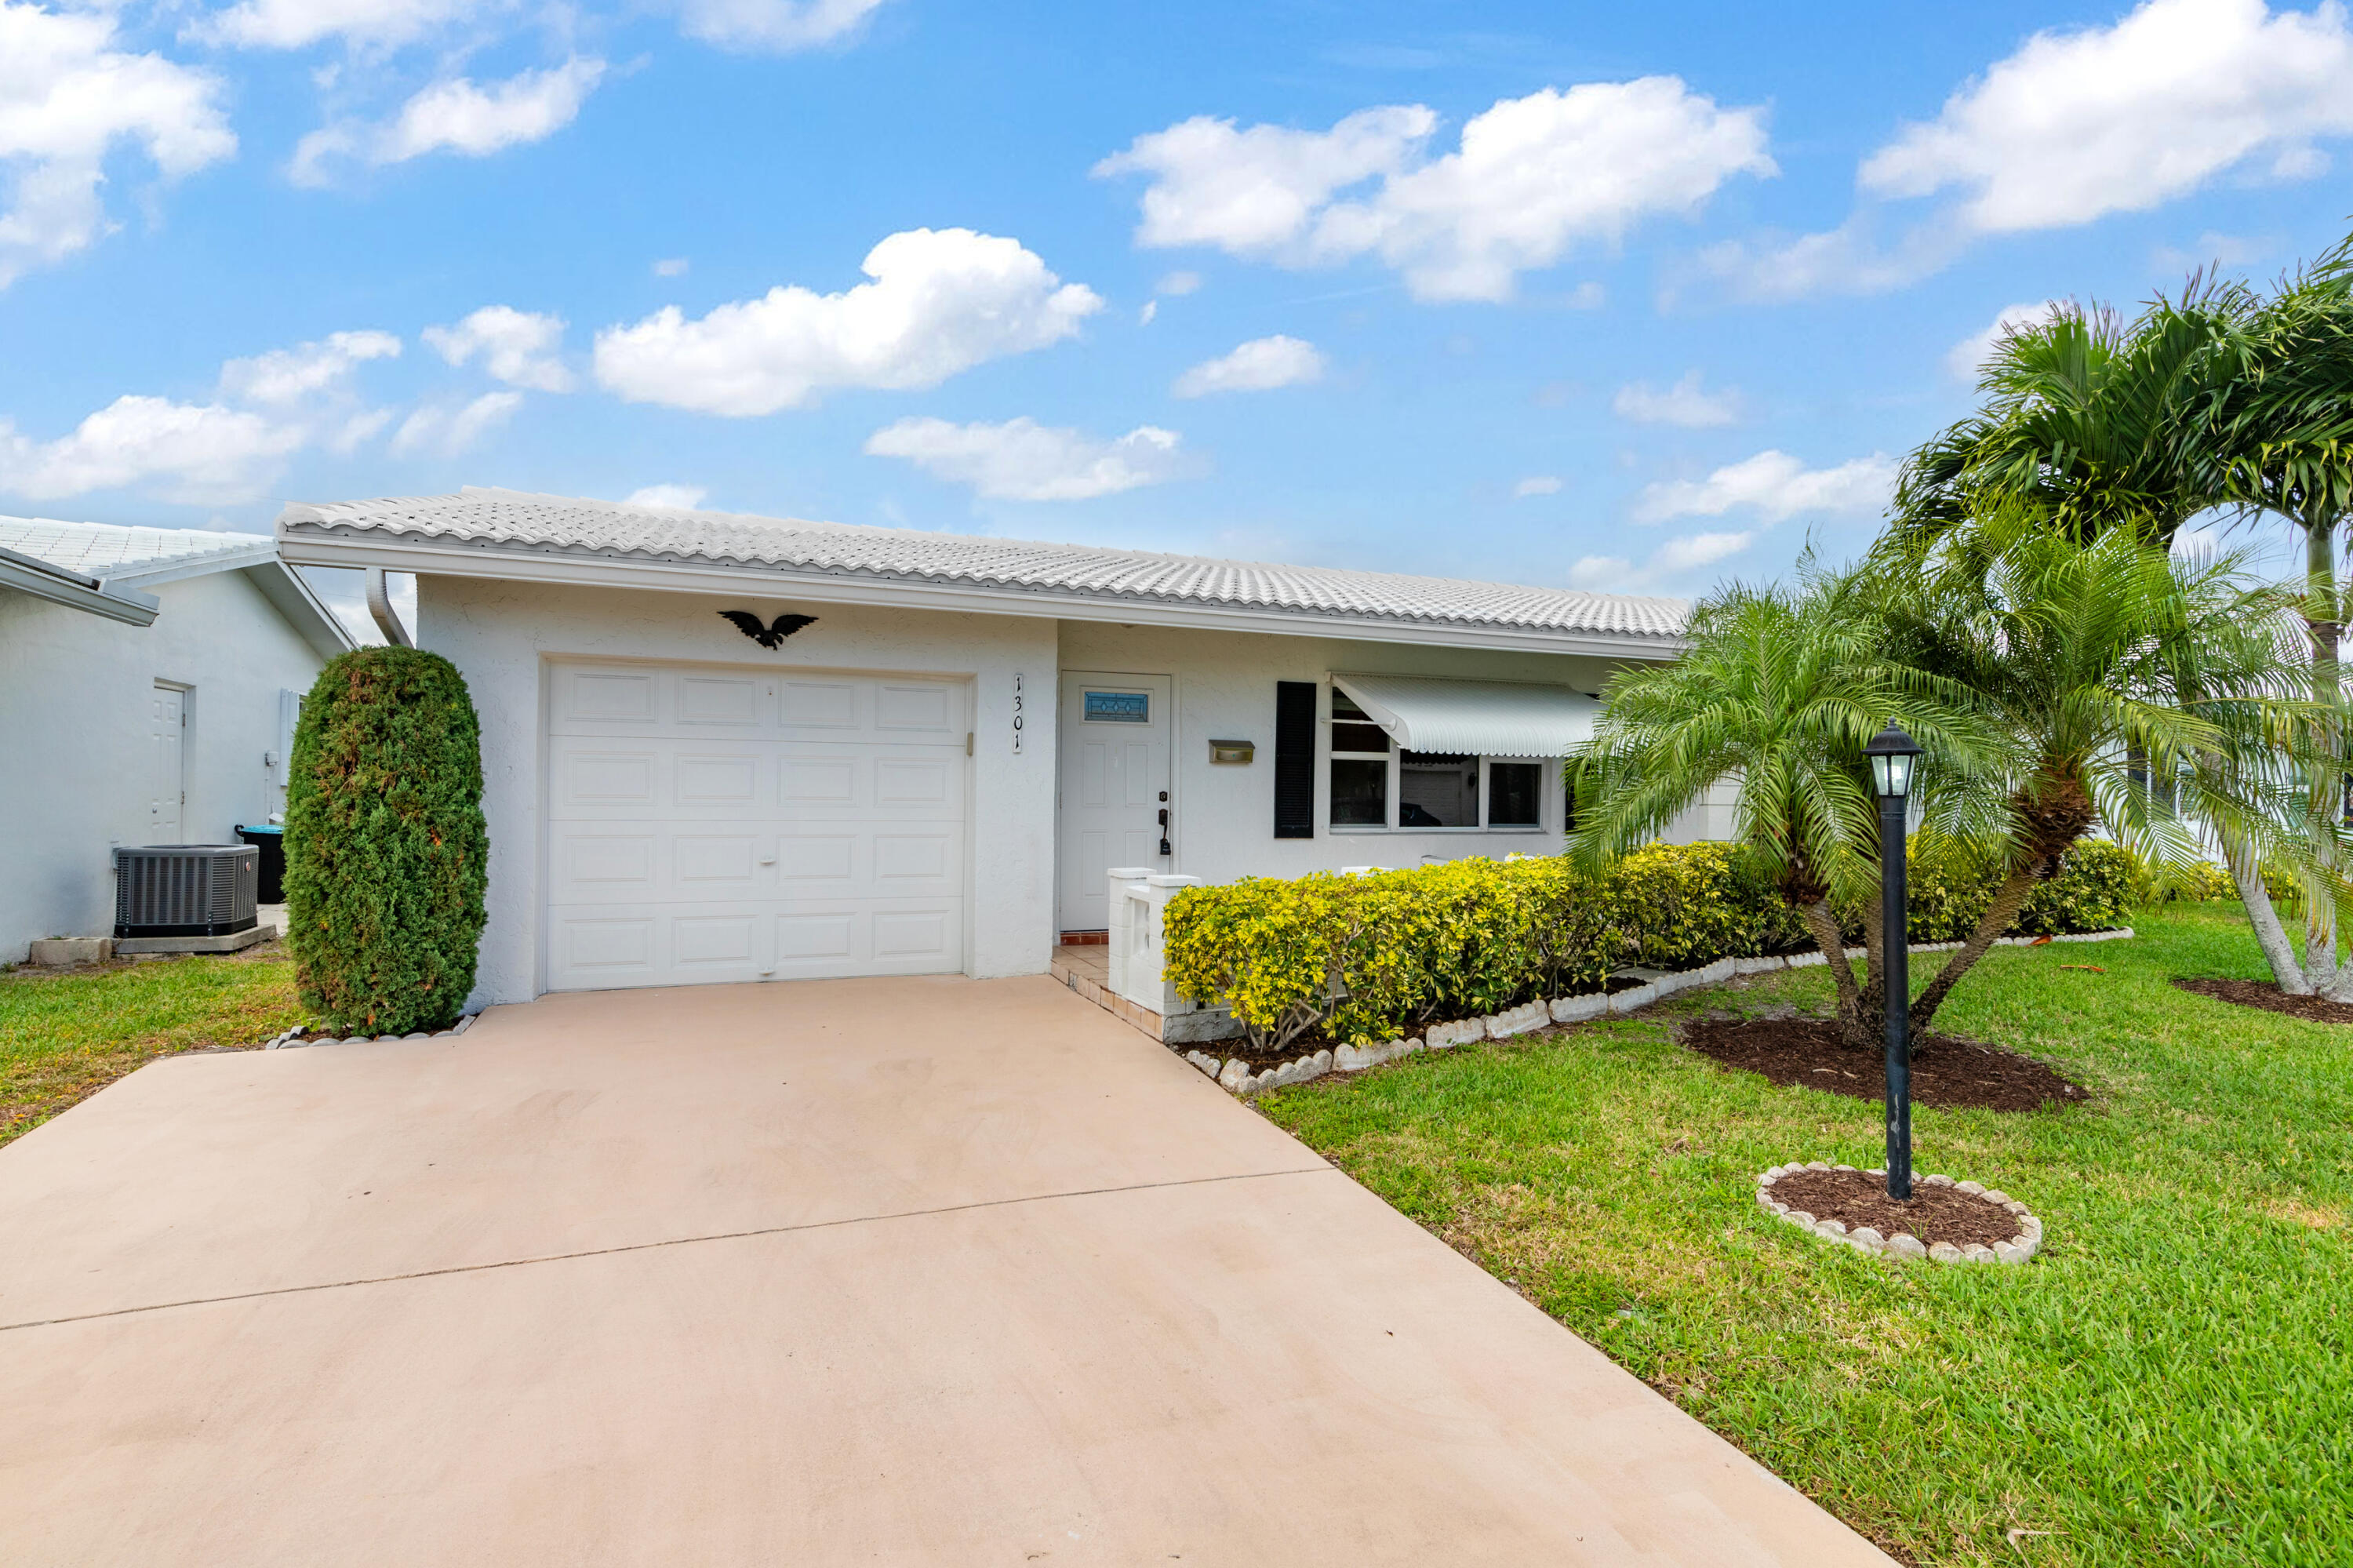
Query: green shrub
[
  {"x": 1374, "y": 957},
  {"x": 386, "y": 853}
]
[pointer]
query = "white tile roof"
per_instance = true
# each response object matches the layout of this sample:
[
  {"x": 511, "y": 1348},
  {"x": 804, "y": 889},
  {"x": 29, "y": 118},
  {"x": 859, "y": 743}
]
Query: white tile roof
[
  {"x": 111, "y": 552},
  {"x": 544, "y": 524}
]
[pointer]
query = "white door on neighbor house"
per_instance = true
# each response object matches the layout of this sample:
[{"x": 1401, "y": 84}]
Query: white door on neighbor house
[
  {"x": 709, "y": 824},
  {"x": 1113, "y": 733},
  {"x": 168, "y": 786}
]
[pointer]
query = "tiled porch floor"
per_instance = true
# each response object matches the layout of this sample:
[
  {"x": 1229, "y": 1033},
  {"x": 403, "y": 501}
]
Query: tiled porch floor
[{"x": 1085, "y": 968}]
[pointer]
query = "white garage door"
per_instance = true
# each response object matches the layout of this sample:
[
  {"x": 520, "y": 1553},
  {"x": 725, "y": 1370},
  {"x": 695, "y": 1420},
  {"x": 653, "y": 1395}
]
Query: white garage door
[{"x": 714, "y": 825}]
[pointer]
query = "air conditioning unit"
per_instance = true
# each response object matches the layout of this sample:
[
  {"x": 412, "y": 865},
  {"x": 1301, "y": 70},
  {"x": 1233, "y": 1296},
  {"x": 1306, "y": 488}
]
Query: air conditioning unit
[{"x": 186, "y": 890}]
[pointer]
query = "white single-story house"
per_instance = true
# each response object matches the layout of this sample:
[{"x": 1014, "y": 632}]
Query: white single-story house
[
  {"x": 152, "y": 677},
  {"x": 936, "y": 745}
]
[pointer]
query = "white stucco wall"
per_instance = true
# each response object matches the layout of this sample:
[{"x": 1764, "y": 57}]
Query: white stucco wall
[
  {"x": 76, "y": 694},
  {"x": 1225, "y": 689},
  {"x": 500, "y": 635}
]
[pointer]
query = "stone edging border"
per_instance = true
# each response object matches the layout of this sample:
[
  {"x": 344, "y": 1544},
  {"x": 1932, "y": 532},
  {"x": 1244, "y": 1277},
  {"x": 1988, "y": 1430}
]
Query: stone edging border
[
  {"x": 1234, "y": 1074},
  {"x": 286, "y": 1041},
  {"x": 1863, "y": 1238}
]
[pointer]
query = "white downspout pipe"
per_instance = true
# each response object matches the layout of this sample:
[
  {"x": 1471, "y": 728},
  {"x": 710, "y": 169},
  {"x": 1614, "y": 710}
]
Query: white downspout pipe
[{"x": 380, "y": 606}]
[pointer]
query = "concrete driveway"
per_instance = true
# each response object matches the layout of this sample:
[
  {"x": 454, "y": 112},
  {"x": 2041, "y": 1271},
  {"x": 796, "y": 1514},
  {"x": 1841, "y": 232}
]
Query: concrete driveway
[{"x": 932, "y": 1271}]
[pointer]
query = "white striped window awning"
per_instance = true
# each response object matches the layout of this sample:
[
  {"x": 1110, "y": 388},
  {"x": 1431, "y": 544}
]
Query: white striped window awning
[{"x": 1484, "y": 718}]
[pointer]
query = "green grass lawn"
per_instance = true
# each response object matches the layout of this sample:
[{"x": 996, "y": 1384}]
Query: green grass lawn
[
  {"x": 2171, "y": 1380},
  {"x": 65, "y": 1036}
]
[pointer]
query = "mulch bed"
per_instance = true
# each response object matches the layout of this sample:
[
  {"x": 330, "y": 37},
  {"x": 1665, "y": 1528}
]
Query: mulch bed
[
  {"x": 1933, "y": 1214},
  {"x": 1947, "y": 1073},
  {"x": 2270, "y": 998}
]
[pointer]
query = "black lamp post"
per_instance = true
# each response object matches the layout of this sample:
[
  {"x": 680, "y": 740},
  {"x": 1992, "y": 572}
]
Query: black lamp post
[{"x": 1893, "y": 755}]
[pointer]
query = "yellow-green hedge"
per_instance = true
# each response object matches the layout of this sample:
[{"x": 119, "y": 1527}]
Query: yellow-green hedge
[{"x": 1376, "y": 956}]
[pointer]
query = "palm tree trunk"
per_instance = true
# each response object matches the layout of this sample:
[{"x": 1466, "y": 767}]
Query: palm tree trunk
[
  {"x": 1822, "y": 924},
  {"x": 2320, "y": 968},
  {"x": 2007, "y": 899},
  {"x": 2269, "y": 935}
]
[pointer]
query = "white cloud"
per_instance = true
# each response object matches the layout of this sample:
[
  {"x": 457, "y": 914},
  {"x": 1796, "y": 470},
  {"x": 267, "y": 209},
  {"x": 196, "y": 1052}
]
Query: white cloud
[
  {"x": 1177, "y": 284},
  {"x": 1151, "y": 309},
  {"x": 1022, "y": 460},
  {"x": 68, "y": 100},
  {"x": 1532, "y": 179},
  {"x": 1257, "y": 192},
  {"x": 940, "y": 301},
  {"x": 1844, "y": 261},
  {"x": 297, "y": 24},
  {"x": 270, "y": 405},
  {"x": 1687, "y": 552},
  {"x": 205, "y": 454},
  {"x": 678, "y": 497},
  {"x": 670, "y": 267},
  {"x": 1684, "y": 404},
  {"x": 517, "y": 347},
  {"x": 775, "y": 27},
  {"x": 287, "y": 377},
  {"x": 1775, "y": 485},
  {"x": 454, "y": 116},
  {"x": 452, "y": 429},
  {"x": 2075, "y": 125},
  {"x": 1537, "y": 484},
  {"x": 1259, "y": 365},
  {"x": 1966, "y": 359}
]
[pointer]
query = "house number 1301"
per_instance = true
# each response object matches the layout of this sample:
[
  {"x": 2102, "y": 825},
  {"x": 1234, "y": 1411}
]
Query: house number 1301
[{"x": 1018, "y": 716}]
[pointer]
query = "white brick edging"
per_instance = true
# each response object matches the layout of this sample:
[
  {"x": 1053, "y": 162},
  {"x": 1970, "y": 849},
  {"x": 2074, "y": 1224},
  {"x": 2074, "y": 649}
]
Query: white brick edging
[
  {"x": 2017, "y": 1249},
  {"x": 286, "y": 1041},
  {"x": 1236, "y": 1076}
]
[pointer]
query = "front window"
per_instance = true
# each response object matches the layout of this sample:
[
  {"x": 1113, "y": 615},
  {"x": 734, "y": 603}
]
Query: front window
[
  {"x": 1360, "y": 767},
  {"x": 1438, "y": 790},
  {"x": 1513, "y": 794},
  {"x": 1375, "y": 785}
]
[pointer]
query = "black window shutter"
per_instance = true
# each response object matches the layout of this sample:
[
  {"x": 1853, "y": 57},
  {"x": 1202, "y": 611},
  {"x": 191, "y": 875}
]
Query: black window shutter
[{"x": 1295, "y": 760}]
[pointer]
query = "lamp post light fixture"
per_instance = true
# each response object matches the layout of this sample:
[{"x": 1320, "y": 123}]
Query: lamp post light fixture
[{"x": 1895, "y": 756}]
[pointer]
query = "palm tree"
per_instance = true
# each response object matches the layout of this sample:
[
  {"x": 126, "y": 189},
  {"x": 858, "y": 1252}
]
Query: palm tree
[
  {"x": 1777, "y": 694},
  {"x": 2282, "y": 443},
  {"x": 2095, "y": 422},
  {"x": 2215, "y": 401},
  {"x": 2099, "y": 661}
]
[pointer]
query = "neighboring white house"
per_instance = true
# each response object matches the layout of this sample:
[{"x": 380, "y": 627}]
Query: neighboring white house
[
  {"x": 149, "y": 678},
  {"x": 935, "y": 773}
]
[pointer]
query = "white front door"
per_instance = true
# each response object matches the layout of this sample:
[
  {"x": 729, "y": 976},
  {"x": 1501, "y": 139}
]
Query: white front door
[
  {"x": 1114, "y": 732},
  {"x": 168, "y": 786},
  {"x": 721, "y": 825}
]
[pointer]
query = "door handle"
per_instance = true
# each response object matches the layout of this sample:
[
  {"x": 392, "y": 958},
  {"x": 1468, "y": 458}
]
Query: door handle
[{"x": 1163, "y": 818}]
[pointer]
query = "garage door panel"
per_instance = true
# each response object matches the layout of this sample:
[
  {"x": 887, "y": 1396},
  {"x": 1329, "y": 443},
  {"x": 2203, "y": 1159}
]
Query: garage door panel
[
  {"x": 903, "y": 708},
  {"x": 705, "y": 825},
  {"x": 707, "y": 780},
  {"x": 606, "y": 697},
  {"x": 807, "y": 704},
  {"x": 716, "y": 860},
  {"x": 604, "y": 866},
  {"x": 719, "y": 702},
  {"x": 612, "y": 950},
  {"x": 700, "y": 941},
  {"x": 600, "y": 778},
  {"x": 808, "y": 860}
]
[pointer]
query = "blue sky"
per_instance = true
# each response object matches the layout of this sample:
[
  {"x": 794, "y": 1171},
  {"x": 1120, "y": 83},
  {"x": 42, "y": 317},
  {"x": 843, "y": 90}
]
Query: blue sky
[{"x": 1624, "y": 297}]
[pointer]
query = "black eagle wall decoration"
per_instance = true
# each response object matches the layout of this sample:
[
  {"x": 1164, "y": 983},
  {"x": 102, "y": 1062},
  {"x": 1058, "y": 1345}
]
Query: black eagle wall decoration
[{"x": 767, "y": 636}]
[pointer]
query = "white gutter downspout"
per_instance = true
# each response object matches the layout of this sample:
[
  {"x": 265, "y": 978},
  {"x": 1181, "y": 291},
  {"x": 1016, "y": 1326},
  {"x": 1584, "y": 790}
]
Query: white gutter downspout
[{"x": 380, "y": 606}]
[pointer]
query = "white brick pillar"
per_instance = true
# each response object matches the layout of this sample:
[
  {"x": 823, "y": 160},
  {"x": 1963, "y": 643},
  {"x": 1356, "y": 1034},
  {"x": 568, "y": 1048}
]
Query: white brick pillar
[
  {"x": 1125, "y": 880},
  {"x": 1146, "y": 983}
]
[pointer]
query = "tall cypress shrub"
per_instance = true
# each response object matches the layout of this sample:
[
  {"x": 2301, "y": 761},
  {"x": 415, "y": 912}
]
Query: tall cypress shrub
[{"x": 387, "y": 851}]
